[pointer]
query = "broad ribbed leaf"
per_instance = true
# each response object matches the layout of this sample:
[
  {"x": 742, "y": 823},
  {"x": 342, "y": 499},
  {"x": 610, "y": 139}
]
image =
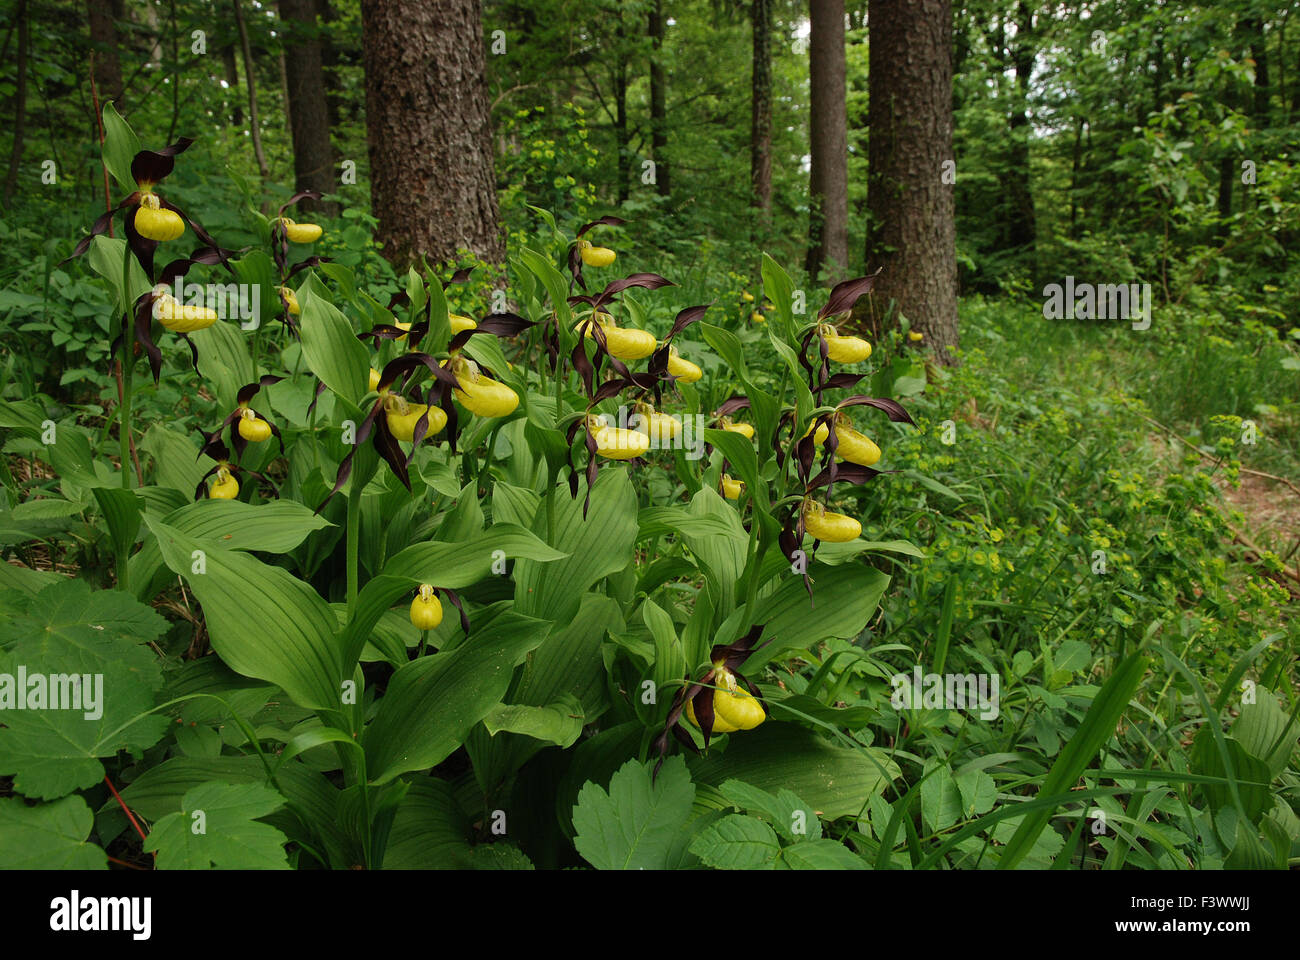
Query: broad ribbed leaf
[
  {"x": 432, "y": 703},
  {"x": 276, "y": 526},
  {"x": 596, "y": 547},
  {"x": 844, "y": 599},
  {"x": 451, "y": 565},
  {"x": 835, "y": 781},
  {"x": 330, "y": 344},
  {"x": 263, "y": 621}
]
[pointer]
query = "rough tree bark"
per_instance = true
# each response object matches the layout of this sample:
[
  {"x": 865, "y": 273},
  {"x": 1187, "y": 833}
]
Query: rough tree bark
[
  {"x": 432, "y": 183},
  {"x": 658, "y": 97},
  {"x": 103, "y": 38},
  {"x": 913, "y": 233},
  {"x": 308, "y": 110},
  {"x": 828, "y": 140},
  {"x": 760, "y": 139}
]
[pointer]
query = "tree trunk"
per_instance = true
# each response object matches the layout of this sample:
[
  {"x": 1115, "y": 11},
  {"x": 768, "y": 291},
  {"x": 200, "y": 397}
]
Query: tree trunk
[
  {"x": 432, "y": 182},
  {"x": 620, "y": 127},
  {"x": 103, "y": 38},
  {"x": 760, "y": 140},
  {"x": 308, "y": 111},
  {"x": 254, "y": 124},
  {"x": 1021, "y": 228},
  {"x": 329, "y": 59},
  {"x": 658, "y": 96},
  {"x": 828, "y": 141},
  {"x": 913, "y": 235},
  {"x": 20, "y": 101},
  {"x": 1254, "y": 29},
  {"x": 231, "y": 66}
]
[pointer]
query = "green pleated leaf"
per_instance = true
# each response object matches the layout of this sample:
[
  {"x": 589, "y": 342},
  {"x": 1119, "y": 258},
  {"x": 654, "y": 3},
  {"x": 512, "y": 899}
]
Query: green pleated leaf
[
  {"x": 844, "y": 599},
  {"x": 263, "y": 621},
  {"x": 120, "y": 146},
  {"x": 432, "y": 703},
  {"x": 451, "y": 565},
  {"x": 330, "y": 344},
  {"x": 276, "y": 526},
  {"x": 834, "y": 781},
  {"x": 595, "y": 547}
]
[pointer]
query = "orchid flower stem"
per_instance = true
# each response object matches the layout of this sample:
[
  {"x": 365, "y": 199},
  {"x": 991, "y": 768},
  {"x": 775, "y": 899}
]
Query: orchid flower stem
[
  {"x": 424, "y": 638},
  {"x": 128, "y": 343},
  {"x": 354, "y": 530}
]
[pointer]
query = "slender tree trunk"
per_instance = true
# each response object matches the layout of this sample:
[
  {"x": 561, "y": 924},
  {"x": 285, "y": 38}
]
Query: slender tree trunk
[
  {"x": 254, "y": 124},
  {"x": 913, "y": 235},
  {"x": 308, "y": 110},
  {"x": 760, "y": 140},
  {"x": 329, "y": 58},
  {"x": 828, "y": 141},
  {"x": 103, "y": 38},
  {"x": 620, "y": 129},
  {"x": 231, "y": 66},
  {"x": 1074, "y": 181},
  {"x": 432, "y": 182},
  {"x": 658, "y": 96},
  {"x": 1253, "y": 29},
  {"x": 20, "y": 101},
  {"x": 1021, "y": 228}
]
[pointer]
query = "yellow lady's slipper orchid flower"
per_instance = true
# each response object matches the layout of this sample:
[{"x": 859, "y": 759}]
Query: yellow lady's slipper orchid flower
[
  {"x": 681, "y": 368},
  {"x": 616, "y": 443},
  {"x": 830, "y": 527},
  {"x": 595, "y": 256},
  {"x": 746, "y": 430},
  {"x": 374, "y": 379},
  {"x": 850, "y": 445},
  {"x": 626, "y": 343},
  {"x": 732, "y": 489},
  {"x": 301, "y": 232},
  {"x": 252, "y": 427},
  {"x": 659, "y": 427},
  {"x": 734, "y": 707},
  {"x": 844, "y": 349},
  {"x": 479, "y": 393},
  {"x": 915, "y": 336},
  {"x": 402, "y": 416},
  {"x": 291, "y": 299},
  {"x": 747, "y": 297},
  {"x": 224, "y": 486},
  {"x": 177, "y": 317},
  {"x": 459, "y": 323},
  {"x": 426, "y": 609},
  {"x": 758, "y": 317},
  {"x": 153, "y": 221}
]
